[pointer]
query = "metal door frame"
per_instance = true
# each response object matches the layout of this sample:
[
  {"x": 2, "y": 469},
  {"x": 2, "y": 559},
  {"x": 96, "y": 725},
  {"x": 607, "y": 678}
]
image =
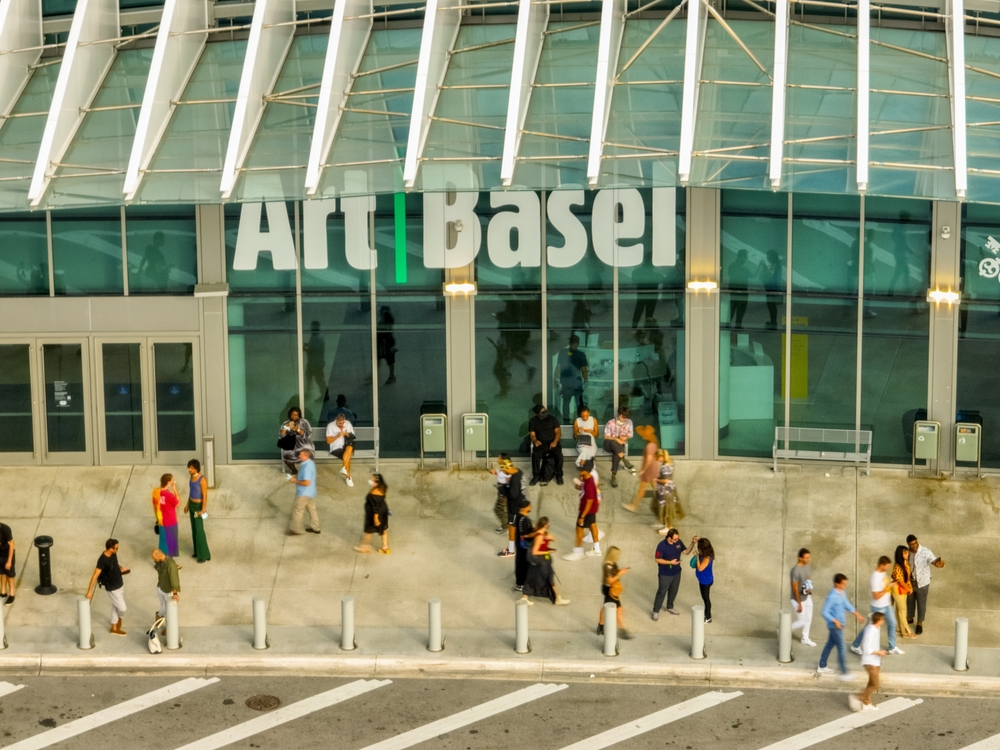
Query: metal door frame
[
  {"x": 104, "y": 456},
  {"x": 35, "y": 457},
  {"x": 85, "y": 457}
]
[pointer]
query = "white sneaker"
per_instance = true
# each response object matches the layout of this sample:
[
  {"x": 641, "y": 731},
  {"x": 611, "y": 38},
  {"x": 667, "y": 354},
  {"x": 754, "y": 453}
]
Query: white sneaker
[
  {"x": 845, "y": 677},
  {"x": 343, "y": 470},
  {"x": 593, "y": 553},
  {"x": 807, "y": 642},
  {"x": 869, "y": 707},
  {"x": 560, "y": 602},
  {"x": 572, "y": 557},
  {"x": 824, "y": 670},
  {"x": 663, "y": 531},
  {"x": 854, "y": 702},
  {"x": 897, "y": 651},
  {"x": 350, "y": 482},
  {"x": 856, "y": 650}
]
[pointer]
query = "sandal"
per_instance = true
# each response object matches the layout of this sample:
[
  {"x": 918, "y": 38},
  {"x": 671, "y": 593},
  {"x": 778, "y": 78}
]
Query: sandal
[{"x": 384, "y": 550}]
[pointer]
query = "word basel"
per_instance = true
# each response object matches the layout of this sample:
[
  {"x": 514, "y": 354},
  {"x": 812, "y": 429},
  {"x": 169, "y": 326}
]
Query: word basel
[{"x": 453, "y": 230}]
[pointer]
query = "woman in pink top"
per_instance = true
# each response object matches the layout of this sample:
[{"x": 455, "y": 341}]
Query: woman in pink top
[
  {"x": 650, "y": 465},
  {"x": 165, "y": 502}
]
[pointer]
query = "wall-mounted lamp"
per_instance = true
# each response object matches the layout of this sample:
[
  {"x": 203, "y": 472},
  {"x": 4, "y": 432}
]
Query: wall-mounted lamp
[
  {"x": 702, "y": 286},
  {"x": 937, "y": 296},
  {"x": 459, "y": 287}
]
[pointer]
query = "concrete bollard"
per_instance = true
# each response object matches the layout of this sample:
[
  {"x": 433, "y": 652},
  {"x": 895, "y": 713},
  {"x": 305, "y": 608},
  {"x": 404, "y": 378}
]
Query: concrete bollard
[
  {"x": 347, "y": 641},
  {"x": 698, "y": 631},
  {"x": 3, "y": 633},
  {"x": 522, "y": 644},
  {"x": 260, "y": 640},
  {"x": 435, "y": 642},
  {"x": 961, "y": 644},
  {"x": 86, "y": 641},
  {"x": 173, "y": 628},
  {"x": 785, "y": 636},
  {"x": 610, "y": 629}
]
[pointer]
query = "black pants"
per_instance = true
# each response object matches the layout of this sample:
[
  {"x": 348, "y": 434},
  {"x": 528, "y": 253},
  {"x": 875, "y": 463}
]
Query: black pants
[
  {"x": 520, "y": 564},
  {"x": 539, "y": 454},
  {"x": 916, "y": 603},
  {"x": 614, "y": 448},
  {"x": 666, "y": 587},
  {"x": 293, "y": 467},
  {"x": 706, "y": 589}
]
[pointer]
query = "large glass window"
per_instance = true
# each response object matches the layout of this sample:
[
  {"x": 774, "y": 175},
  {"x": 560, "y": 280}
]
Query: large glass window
[
  {"x": 24, "y": 255},
  {"x": 15, "y": 399},
  {"x": 87, "y": 251},
  {"x": 162, "y": 249}
]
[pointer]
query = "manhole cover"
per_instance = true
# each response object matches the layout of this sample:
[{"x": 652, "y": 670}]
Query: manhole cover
[{"x": 263, "y": 702}]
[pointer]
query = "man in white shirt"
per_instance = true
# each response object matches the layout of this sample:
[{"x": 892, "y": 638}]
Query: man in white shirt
[
  {"x": 921, "y": 560},
  {"x": 881, "y": 604},
  {"x": 871, "y": 660},
  {"x": 340, "y": 438}
]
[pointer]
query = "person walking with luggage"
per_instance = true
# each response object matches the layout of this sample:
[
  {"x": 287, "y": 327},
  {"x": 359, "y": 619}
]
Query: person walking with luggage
[
  {"x": 871, "y": 660},
  {"x": 524, "y": 532},
  {"x": 834, "y": 612},
  {"x": 921, "y": 560},
  {"x": 612, "y": 590},
  {"x": 294, "y": 436},
  {"x": 902, "y": 587},
  {"x": 541, "y": 578},
  {"x": 668, "y": 562},
  {"x": 585, "y": 432},
  {"x": 8, "y": 568},
  {"x": 340, "y": 437},
  {"x": 545, "y": 433},
  {"x": 168, "y": 581},
  {"x": 165, "y": 502},
  {"x": 650, "y": 466},
  {"x": 511, "y": 488},
  {"x": 802, "y": 602},
  {"x": 616, "y": 435},
  {"x": 376, "y": 516},
  {"x": 704, "y": 558},
  {"x": 197, "y": 507},
  {"x": 305, "y": 496},
  {"x": 108, "y": 574},
  {"x": 881, "y": 603}
]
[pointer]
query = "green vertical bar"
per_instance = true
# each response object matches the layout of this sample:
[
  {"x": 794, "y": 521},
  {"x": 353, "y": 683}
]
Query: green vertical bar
[{"x": 399, "y": 212}]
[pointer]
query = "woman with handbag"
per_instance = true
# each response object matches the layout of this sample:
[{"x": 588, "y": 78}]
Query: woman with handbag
[
  {"x": 900, "y": 588},
  {"x": 165, "y": 502},
  {"x": 585, "y": 432},
  {"x": 294, "y": 436},
  {"x": 612, "y": 589},
  {"x": 541, "y": 578}
]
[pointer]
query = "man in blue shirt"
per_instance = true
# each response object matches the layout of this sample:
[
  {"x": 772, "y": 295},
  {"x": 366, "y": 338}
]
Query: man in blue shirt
[
  {"x": 668, "y": 563},
  {"x": 305, "y": 496},
  {"x": 835, "y": 610}
]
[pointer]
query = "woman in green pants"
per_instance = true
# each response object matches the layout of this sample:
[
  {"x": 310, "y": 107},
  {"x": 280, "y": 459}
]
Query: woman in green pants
[{"x": 197, "y": 506}]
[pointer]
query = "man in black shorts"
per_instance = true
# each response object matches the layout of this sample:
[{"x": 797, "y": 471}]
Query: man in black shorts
[{"x": 8, "y": 574}]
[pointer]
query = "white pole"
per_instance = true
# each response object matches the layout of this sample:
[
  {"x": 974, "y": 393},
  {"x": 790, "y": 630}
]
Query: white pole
[
  {"x": 785, "y": 636},
  {"x": 610, "y": 629},
  {"x": 3, "y": 633},
  {"x": 522, "y": 645},
  {"x": 961, "y": 644},
  {"x": 173, "y": 629},
  {"x": 698, "y": 631},
  {"x": 347, "y": 642},
  {"x": 86, "y": 641},
  {"x": 434, "y": 641},
  {"x": 260, "y": 641}
]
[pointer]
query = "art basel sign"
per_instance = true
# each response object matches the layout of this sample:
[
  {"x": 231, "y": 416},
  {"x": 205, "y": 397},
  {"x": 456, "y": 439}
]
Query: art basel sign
[{"x": 453, "y": 230}]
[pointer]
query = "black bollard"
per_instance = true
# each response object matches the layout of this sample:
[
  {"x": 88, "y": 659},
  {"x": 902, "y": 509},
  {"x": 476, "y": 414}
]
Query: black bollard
[{"x": 45, "y": 586}]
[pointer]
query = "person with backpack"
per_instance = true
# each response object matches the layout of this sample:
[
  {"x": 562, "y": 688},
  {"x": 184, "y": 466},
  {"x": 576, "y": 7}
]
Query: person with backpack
[
  {"x": 512, "y": 489},
  {"x": 108, "y": 575}
]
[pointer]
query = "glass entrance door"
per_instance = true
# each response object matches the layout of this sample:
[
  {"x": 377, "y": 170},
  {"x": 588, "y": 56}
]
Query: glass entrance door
[
  {"x": 175, "y": 399},
  {"x": 18, "y": 434},
  {"x": 65, "y": 373},
  {"x": 122, "y": 398}
]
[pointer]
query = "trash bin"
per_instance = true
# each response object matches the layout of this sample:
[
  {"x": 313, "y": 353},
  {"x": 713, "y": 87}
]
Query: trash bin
[
  {"x": 475, "y": 435},
  {"x": 44, "y": 587},
  {"x": 433, "y": 435}
]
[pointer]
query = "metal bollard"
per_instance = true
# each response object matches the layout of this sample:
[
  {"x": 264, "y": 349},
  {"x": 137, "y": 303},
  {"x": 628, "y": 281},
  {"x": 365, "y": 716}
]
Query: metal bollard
[
  {"x": 610, "y": 630},
  {"x": 260, "y": 639},
  {"x": 698, "y": 631},
  {"x": 86, "y": 641},
  {"x": 3, "y": 633},
  {"x": 173, "y": 629},
  {"x": 961, "y": 644},
  {"x": 435, "y": 642},
  {"x": 785, "y": 636},
  {"x": 44, "y": 587},
  {"x": 522, "y": 644},
  {"x": 347, "y": 641}
]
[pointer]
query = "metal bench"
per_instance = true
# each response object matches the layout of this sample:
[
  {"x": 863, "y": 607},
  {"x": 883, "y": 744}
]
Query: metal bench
[
  {"x": 362, "y": 435},
  {"x": 567, "y": 434},
  {"x": 859, "y": 440}
]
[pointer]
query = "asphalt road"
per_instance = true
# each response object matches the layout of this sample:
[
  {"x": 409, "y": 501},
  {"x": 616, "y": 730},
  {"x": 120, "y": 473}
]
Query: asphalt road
[{"x": 392, "y": 716}]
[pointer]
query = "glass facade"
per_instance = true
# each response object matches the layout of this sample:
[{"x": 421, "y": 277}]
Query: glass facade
[
  {"x": 16, "y": 434},
  {"x": 162, "y": 246}
]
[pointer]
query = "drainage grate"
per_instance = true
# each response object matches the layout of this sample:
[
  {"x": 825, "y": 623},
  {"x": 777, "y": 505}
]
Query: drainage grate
[{"x": 263, "y": 702}]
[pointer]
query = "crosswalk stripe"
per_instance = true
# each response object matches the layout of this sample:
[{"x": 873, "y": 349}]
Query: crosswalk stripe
[
  {"x": 651, "y": 722},
  {"x": 109, "y": 715},
  {"x": 464, "y": 718},
  {"x": 6, "y": 688},
  {"x": 990, "y": 743},
  {"x": 843, "y": 725},
  {"x": 284, "y": 715}
]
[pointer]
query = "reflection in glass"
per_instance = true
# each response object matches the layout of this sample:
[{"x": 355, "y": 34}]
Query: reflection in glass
[
  {"x": 87, "y": 251},
  {"x": 173, "y": 379},
  {"x": 64, "y": 407},
  {"x": 162, "y": 250},
  {"x": 581, "y": 355},
  {"x": 24, "y": 255},
  {"x": 15, "y": 399},
  {"x": 122, "y": 365},
  {"x": 978, "y": 362}
]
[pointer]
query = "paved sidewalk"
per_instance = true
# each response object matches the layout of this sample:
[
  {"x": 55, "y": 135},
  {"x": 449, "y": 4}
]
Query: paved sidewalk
[{"x": 443, "y": 545}]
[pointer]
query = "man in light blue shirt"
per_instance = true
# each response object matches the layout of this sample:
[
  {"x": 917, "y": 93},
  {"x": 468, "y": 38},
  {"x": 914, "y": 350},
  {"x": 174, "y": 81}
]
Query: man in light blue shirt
[
  {"x": 305, "y": 496},
  {"x": 835, "y": 610}
]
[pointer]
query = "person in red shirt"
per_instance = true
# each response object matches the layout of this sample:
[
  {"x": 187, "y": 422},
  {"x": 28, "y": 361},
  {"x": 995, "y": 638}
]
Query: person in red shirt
[{"x": 590, "y": 503}]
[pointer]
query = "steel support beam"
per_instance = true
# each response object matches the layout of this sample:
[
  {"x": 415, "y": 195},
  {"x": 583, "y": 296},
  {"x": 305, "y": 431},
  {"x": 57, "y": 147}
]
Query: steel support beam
[
  {"x": 608, "y": 48},
  {"x": 271, "y": 33},
  {"x": 864, "y": 71},
  {"x": 441, "y": 22},
  {"x": 778, "y": 91},
  {"x": 694, "y": 45},
  {"x": 349, "y": 35},
  {"x": 532, "y": 18},
  {"x": 83, "y": 69},
  {"x": 956, "y": 79},
  {"x": 20, "y": 29},
  {"x": 175, "y": 56}
]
